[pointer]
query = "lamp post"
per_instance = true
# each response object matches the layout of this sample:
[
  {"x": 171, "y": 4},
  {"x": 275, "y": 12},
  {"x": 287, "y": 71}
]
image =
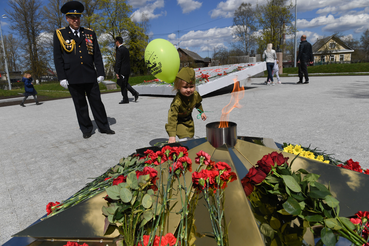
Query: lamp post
[
  {"x": 295, "y": 46},
  {"x": 6, "y": 64}
]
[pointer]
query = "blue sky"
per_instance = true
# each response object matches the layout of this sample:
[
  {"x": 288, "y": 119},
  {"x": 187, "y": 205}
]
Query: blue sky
[{"x": 201, "y": 25}]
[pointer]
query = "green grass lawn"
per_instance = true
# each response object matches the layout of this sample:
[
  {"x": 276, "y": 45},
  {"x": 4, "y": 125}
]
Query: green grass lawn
[
  {"x": 332, "y": 68},
  {"x": 54, "y": 90}
]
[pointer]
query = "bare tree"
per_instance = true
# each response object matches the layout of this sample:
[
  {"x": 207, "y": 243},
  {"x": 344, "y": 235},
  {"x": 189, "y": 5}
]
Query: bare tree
[
  {"x": 364, "y": 39},
  {"x": 51, "y": 13},
  {"x": 244, "y": 24},
  {"x": 26, "y": 19},
  {"x": 221, "y": 54},
  {"x": 12, "y": 52}
]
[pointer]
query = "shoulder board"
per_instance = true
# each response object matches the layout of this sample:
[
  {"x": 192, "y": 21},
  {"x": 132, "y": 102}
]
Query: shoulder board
[
  {"x": 88, "y": 29},
  {"x": 61, "y": 28}
]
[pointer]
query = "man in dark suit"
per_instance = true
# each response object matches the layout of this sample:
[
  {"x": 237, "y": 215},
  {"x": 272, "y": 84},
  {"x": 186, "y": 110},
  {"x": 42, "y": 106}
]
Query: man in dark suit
[
  {"x": 122, "y": 70},
  {"x": 76, "y": 55},
  {"x": 304, "y": 57}
]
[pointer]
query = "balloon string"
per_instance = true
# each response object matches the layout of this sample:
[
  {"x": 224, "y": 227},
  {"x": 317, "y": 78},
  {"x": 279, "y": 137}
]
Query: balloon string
[{"x": 201, "y": 112}]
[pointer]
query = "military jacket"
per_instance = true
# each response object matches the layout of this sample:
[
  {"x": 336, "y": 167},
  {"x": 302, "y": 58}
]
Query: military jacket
[
  {"x": 84, "y": 63},
  {"x": 180, "y": 112}
]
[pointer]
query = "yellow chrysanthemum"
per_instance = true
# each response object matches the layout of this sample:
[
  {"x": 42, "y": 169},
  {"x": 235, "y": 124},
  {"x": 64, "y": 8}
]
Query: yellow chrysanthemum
[
  {"x": 297, "y": 149},
  {"x": 326, "y": 161},
  {"x": 309, "y": 154},
  {"x": 320, "y": 158},
  {"x": 288, "y": 149}
]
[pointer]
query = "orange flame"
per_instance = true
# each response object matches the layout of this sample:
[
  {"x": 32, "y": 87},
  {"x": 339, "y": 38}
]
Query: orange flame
[{"x": 237, "y": 94}]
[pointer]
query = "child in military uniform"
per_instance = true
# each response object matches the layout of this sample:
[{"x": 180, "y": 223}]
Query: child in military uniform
[{"x": 180, "y": 121}]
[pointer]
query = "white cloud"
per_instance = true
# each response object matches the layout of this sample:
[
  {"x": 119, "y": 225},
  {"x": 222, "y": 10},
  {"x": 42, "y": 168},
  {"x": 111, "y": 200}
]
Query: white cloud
[
  {"x": 331, "y": 24},
  {"x": 226, "y": 9},
  {"x": 139, "y": 3},
  {"x": 148, "y": 11},
  {"x": 172, "y": 36},
  {"x": 188, "y": 5}
]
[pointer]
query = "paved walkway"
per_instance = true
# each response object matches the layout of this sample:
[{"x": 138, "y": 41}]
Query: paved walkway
[{"x": 43, "y": 157}]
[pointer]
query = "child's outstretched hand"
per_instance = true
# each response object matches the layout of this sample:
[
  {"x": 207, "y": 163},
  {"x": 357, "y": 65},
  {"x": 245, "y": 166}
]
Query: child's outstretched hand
[
  {"x": 203, "y": 116},
  {"x": 172, "y": 140}
]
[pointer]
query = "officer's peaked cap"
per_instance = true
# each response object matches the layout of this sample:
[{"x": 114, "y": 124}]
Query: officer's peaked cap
[{"x": 72, "y": 8}]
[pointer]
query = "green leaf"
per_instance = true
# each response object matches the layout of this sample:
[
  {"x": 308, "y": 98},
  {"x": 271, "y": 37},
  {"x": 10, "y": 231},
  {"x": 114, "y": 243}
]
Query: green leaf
[
  {"x": 274, "y": 223},
  {"x": 328, "y": 213},
  {"x": 132, "y": 180},
  {"x": 328, "y": 237},
  {"x": 123, "y": 185},
  {"x": 317, "y": 194},
  {"x": 298, "y": 197},
  {"x": 142, "y": 180},
  {"x": 303, "y": 171},
  {"x": 320, "y": 186},
  {"x": 292, "y": 206},
  {"x": 291, "y": 183},
  {"x": 314, "y": 218},
  {"x": 347, "y": 223},
  {"x": 331, "y": 201},
  {"x": 272, "y": 179},
  {"x": 125, "y": 195},
  {"x": 311, "y": 177},
  {"x": 113, "y": 192},
  {"x": 150, "y": 191},
  {"x": 147, "y": 201},
  {"x": 148, "y": 215},
  {"x": 109, "y": 210},
  {"x": 267, "y": 230},
  {"x": 283, "y": 212},
  {"x": 302, "y": 205},
  {"x": 333, "y": 224}
]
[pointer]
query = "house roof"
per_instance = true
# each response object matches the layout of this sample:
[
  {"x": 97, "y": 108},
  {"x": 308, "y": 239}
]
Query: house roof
[
  {"x": 192, "y": 54},
  {"x": 321, "y": 42}
]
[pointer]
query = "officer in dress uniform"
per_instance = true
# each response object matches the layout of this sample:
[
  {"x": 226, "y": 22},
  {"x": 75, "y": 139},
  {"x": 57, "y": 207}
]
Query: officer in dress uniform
[{"x": 79, "y": 66}]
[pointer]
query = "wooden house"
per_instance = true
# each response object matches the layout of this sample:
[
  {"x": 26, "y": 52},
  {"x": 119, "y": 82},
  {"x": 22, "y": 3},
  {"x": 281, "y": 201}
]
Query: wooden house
[
  {"x": 331, "y": 50},
  {"x": 191, "y": 59}
]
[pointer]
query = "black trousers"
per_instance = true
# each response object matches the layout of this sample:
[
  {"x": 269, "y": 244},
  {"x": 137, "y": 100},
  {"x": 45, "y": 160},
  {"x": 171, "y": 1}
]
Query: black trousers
[
  {"x": 303, "y": 70},
  {"x": 92, "y": 91},
  {"x": 124, "y": 87}
]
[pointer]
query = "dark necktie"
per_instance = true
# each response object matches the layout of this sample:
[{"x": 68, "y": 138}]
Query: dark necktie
[{"x": 76, "y": 34}]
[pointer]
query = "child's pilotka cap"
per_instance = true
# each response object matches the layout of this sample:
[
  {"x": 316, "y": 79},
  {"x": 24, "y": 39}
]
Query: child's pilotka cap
[{"x": 187, "y": 74}]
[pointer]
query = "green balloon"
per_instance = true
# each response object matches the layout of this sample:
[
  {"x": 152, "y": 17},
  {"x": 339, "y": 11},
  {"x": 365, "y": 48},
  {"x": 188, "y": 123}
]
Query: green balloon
[{"x": 162, "y": 60}]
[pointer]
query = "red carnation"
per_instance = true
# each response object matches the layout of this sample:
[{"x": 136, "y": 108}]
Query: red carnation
[
  {"x": 119, "y": 179},
  {"x": 49, "y": 207},
  {"x": 205, "y": 156}
]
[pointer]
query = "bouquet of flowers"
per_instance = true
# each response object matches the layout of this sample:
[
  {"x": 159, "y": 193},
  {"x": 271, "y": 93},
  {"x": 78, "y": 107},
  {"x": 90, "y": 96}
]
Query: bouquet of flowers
[
  {"x": 212, "y": 181},
  {"x": 287, "y": 203}
]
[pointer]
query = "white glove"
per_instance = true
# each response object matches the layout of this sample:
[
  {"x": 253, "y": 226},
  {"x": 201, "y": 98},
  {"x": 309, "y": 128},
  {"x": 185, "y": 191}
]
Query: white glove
[
  {"x": 100, "y": 79},
  {"x": 64, "y": 83}
]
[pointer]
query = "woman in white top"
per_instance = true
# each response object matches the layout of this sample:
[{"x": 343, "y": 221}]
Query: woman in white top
[{"x": 269, "y": 56}]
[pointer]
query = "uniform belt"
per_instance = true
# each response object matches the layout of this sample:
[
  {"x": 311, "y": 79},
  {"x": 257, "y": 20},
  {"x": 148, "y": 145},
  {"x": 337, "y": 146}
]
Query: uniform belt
[{"x": 186, "y": 118}]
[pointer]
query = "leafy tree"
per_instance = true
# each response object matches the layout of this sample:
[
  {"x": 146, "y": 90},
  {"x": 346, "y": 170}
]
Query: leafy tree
[
  {"x": 137, "y": 43},
  {"x": 244, "y": 24},
  {"x": 275, "y": 19},
  {"x": 26, "y": 18},
  {"x": 114, "y": 21},
  {"x": 89, "y": 14},
  {"x": 364, "y": 39}
]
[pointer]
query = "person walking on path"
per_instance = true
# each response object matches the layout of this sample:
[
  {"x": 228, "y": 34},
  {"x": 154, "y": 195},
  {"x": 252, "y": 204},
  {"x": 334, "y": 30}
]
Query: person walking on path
[
  {"x": 269, "y": 56},
  {"x": 29, "y": 89},
  {"x": 122, "y": 70},
  {"x": 305, "y": 56},
  {"x": 80, "y": 67}
]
